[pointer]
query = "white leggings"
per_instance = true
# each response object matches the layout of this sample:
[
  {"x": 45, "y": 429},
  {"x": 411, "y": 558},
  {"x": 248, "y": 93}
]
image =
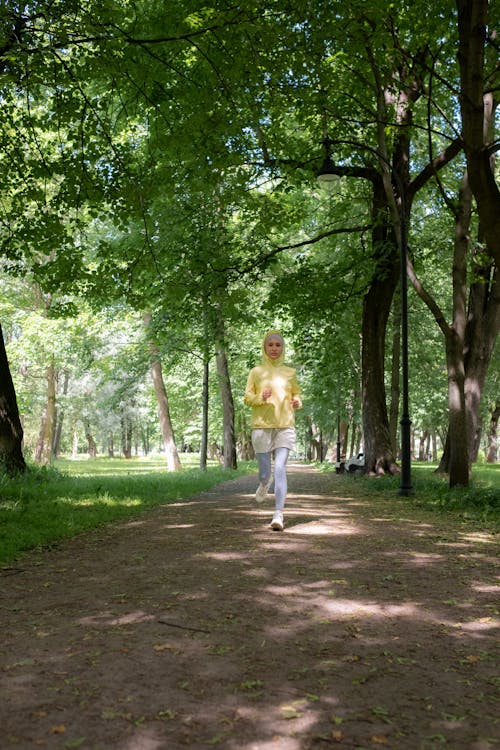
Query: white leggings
[{"x": 280, "y": 479}]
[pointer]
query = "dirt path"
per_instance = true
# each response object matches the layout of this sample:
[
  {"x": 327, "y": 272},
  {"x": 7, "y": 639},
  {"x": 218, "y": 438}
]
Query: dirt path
[{"x": 361, "y": 626}]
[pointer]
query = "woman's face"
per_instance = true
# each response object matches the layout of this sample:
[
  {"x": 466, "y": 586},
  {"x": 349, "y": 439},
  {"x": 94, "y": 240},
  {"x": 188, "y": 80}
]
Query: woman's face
[{"x": 273, "y": 348}]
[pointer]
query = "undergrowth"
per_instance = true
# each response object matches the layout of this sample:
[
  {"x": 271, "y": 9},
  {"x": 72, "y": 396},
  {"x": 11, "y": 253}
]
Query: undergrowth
[{"x": 480, "y": 500}]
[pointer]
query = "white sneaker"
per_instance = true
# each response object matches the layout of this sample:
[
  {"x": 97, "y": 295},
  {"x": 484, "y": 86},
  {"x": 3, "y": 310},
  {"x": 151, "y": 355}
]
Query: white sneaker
[
  {"x": 261, "y": 493},
  {"x": 262, "y": 490},
  {"x": 277, "y": 524}
]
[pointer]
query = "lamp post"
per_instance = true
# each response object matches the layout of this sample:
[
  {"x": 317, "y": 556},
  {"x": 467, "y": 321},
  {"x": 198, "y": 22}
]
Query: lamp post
[{"x": 325, "y": 176}]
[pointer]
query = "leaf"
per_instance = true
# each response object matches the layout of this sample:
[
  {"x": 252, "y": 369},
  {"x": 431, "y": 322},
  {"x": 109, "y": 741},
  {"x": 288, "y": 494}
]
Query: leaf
[
  {"x": 163, "y": 647},
  {"x": 58, "y": 729},
  {"x": 168, "y": 714},
  {"x": 290, "y": 713},
  {"x": 293, "y": 710},
  {"x": 379, "y": 739}
]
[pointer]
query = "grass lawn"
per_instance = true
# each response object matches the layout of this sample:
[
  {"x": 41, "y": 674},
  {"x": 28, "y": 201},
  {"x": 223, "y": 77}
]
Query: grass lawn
[
  {"x": 481, "y": 500},
  {"x": 49, "y": 504}
]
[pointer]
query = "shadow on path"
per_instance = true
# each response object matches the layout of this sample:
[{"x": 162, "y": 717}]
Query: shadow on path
[{"x": 365, "y": 624}]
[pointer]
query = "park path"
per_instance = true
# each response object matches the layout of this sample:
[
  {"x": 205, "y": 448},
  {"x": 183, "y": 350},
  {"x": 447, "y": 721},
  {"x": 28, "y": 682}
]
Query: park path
[{"x": 366, "y": 624}]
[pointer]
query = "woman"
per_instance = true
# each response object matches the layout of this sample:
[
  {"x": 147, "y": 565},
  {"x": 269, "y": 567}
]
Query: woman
[{"x": 273, "y": 393}]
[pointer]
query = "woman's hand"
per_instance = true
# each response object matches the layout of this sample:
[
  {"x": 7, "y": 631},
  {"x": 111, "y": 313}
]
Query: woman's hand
[
  {"x": 296, "y": 402},
  {"x": 266, "y": 393}
]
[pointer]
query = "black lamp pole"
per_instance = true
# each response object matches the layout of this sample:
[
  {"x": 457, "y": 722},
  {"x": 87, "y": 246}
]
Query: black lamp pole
[
  {"x": 405, "y": 487},
  {"x": 325, "y": 176}
]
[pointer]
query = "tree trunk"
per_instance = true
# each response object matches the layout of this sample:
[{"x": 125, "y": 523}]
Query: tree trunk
[
  {"x": 480, "y": 336},
  {"x": 395, "y": 374},
  {"x": 492, "y": 451},
  {"x": 167, "y": 431},
  {"x": 173, "y": 461},
  {"x": 126, "y": 434},
  {"x": 59, "y": 419},
  {"x": 477, "y": 110},
  {"x": 483, "y": 322},
  {"x": 229, "y": 447},
  {"x": 455, "y": 459},
  {"x": 43, "y": 453},
  {"x": 423, "y": 446},
  {"x": 458, "y": 457},
  {"x": 74, "y": 449},
  {"x": 204, "y": 417},
  {"x": 91, "y": 444},
  {"x": 478, "y": 107},
  {"x": 145, "y": 440},
  {"x": 244, "y": 441},
  {"x": 11, "y": 431},
  {"x": 379, "y": 456}
]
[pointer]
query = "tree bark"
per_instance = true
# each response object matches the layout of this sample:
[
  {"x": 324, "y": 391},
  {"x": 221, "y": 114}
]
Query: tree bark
[
  {"x": 379, "y": 457},
  {"x": 477, "y": 105},
  {"x": 458, "y": 457},
  {"x": 481, "y": 330},
  {"x": 126, "y": 435},
  {"x": 167, "y": 431},
  {"x": 229, "y": 448},
  {"x": 11, "y": 431},
  {"x": 173, "y": 461},
  {"x": 478, "y": 112},
  {"x": 483, "y": 323},
  {"x": 111, "y": 445},
  {"x": 204, "y": 417},
  {"x": 395, "y": 372},
  {"x": 455, "y": 459},
  {"x": 60, "y": 419},
  {"x": 91, "y": 444},
  {"x": 492, "y": 451},
  {"x": 43, "y": 453}
]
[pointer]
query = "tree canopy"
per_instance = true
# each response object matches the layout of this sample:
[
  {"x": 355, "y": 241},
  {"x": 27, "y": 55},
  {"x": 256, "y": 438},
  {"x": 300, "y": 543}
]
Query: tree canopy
[{"x": 161, "y": 160}]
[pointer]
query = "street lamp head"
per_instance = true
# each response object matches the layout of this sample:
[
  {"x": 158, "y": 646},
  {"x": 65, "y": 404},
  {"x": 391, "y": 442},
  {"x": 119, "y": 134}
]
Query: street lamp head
[{"x": 326, "y": 175}]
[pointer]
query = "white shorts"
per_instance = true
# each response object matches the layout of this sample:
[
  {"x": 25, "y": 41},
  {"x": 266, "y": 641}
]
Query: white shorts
[{"x": 266, "y": 440}]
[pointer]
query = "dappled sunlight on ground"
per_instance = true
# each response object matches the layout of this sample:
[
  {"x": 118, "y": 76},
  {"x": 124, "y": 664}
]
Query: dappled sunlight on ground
[
  {"x": 321, "y": 526},
  {"x": 106, "y": 618},
  {"x": 357, "y": 627}
]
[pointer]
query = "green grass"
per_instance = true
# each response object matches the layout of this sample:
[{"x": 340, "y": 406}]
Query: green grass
[
  {"x": 479, "y": 501},
  {"x": 46, "y": 505}
]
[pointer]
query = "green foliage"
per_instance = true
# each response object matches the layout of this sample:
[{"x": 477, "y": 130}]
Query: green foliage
[
  {"x": 479, "y": 501},
  {"x": 160, "y": 157},
  {"x": 46, "y": 505}
]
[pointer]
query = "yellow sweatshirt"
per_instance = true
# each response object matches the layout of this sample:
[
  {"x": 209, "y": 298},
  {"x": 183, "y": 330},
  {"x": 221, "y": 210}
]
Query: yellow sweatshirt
[{"x": 276, "y": 411}]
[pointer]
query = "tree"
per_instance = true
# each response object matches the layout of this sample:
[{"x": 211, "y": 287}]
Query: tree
[
  {"x": 11, "y": 431},
  {"x": 173, "y": 461},
  {"x": 192, "y": 131}
]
